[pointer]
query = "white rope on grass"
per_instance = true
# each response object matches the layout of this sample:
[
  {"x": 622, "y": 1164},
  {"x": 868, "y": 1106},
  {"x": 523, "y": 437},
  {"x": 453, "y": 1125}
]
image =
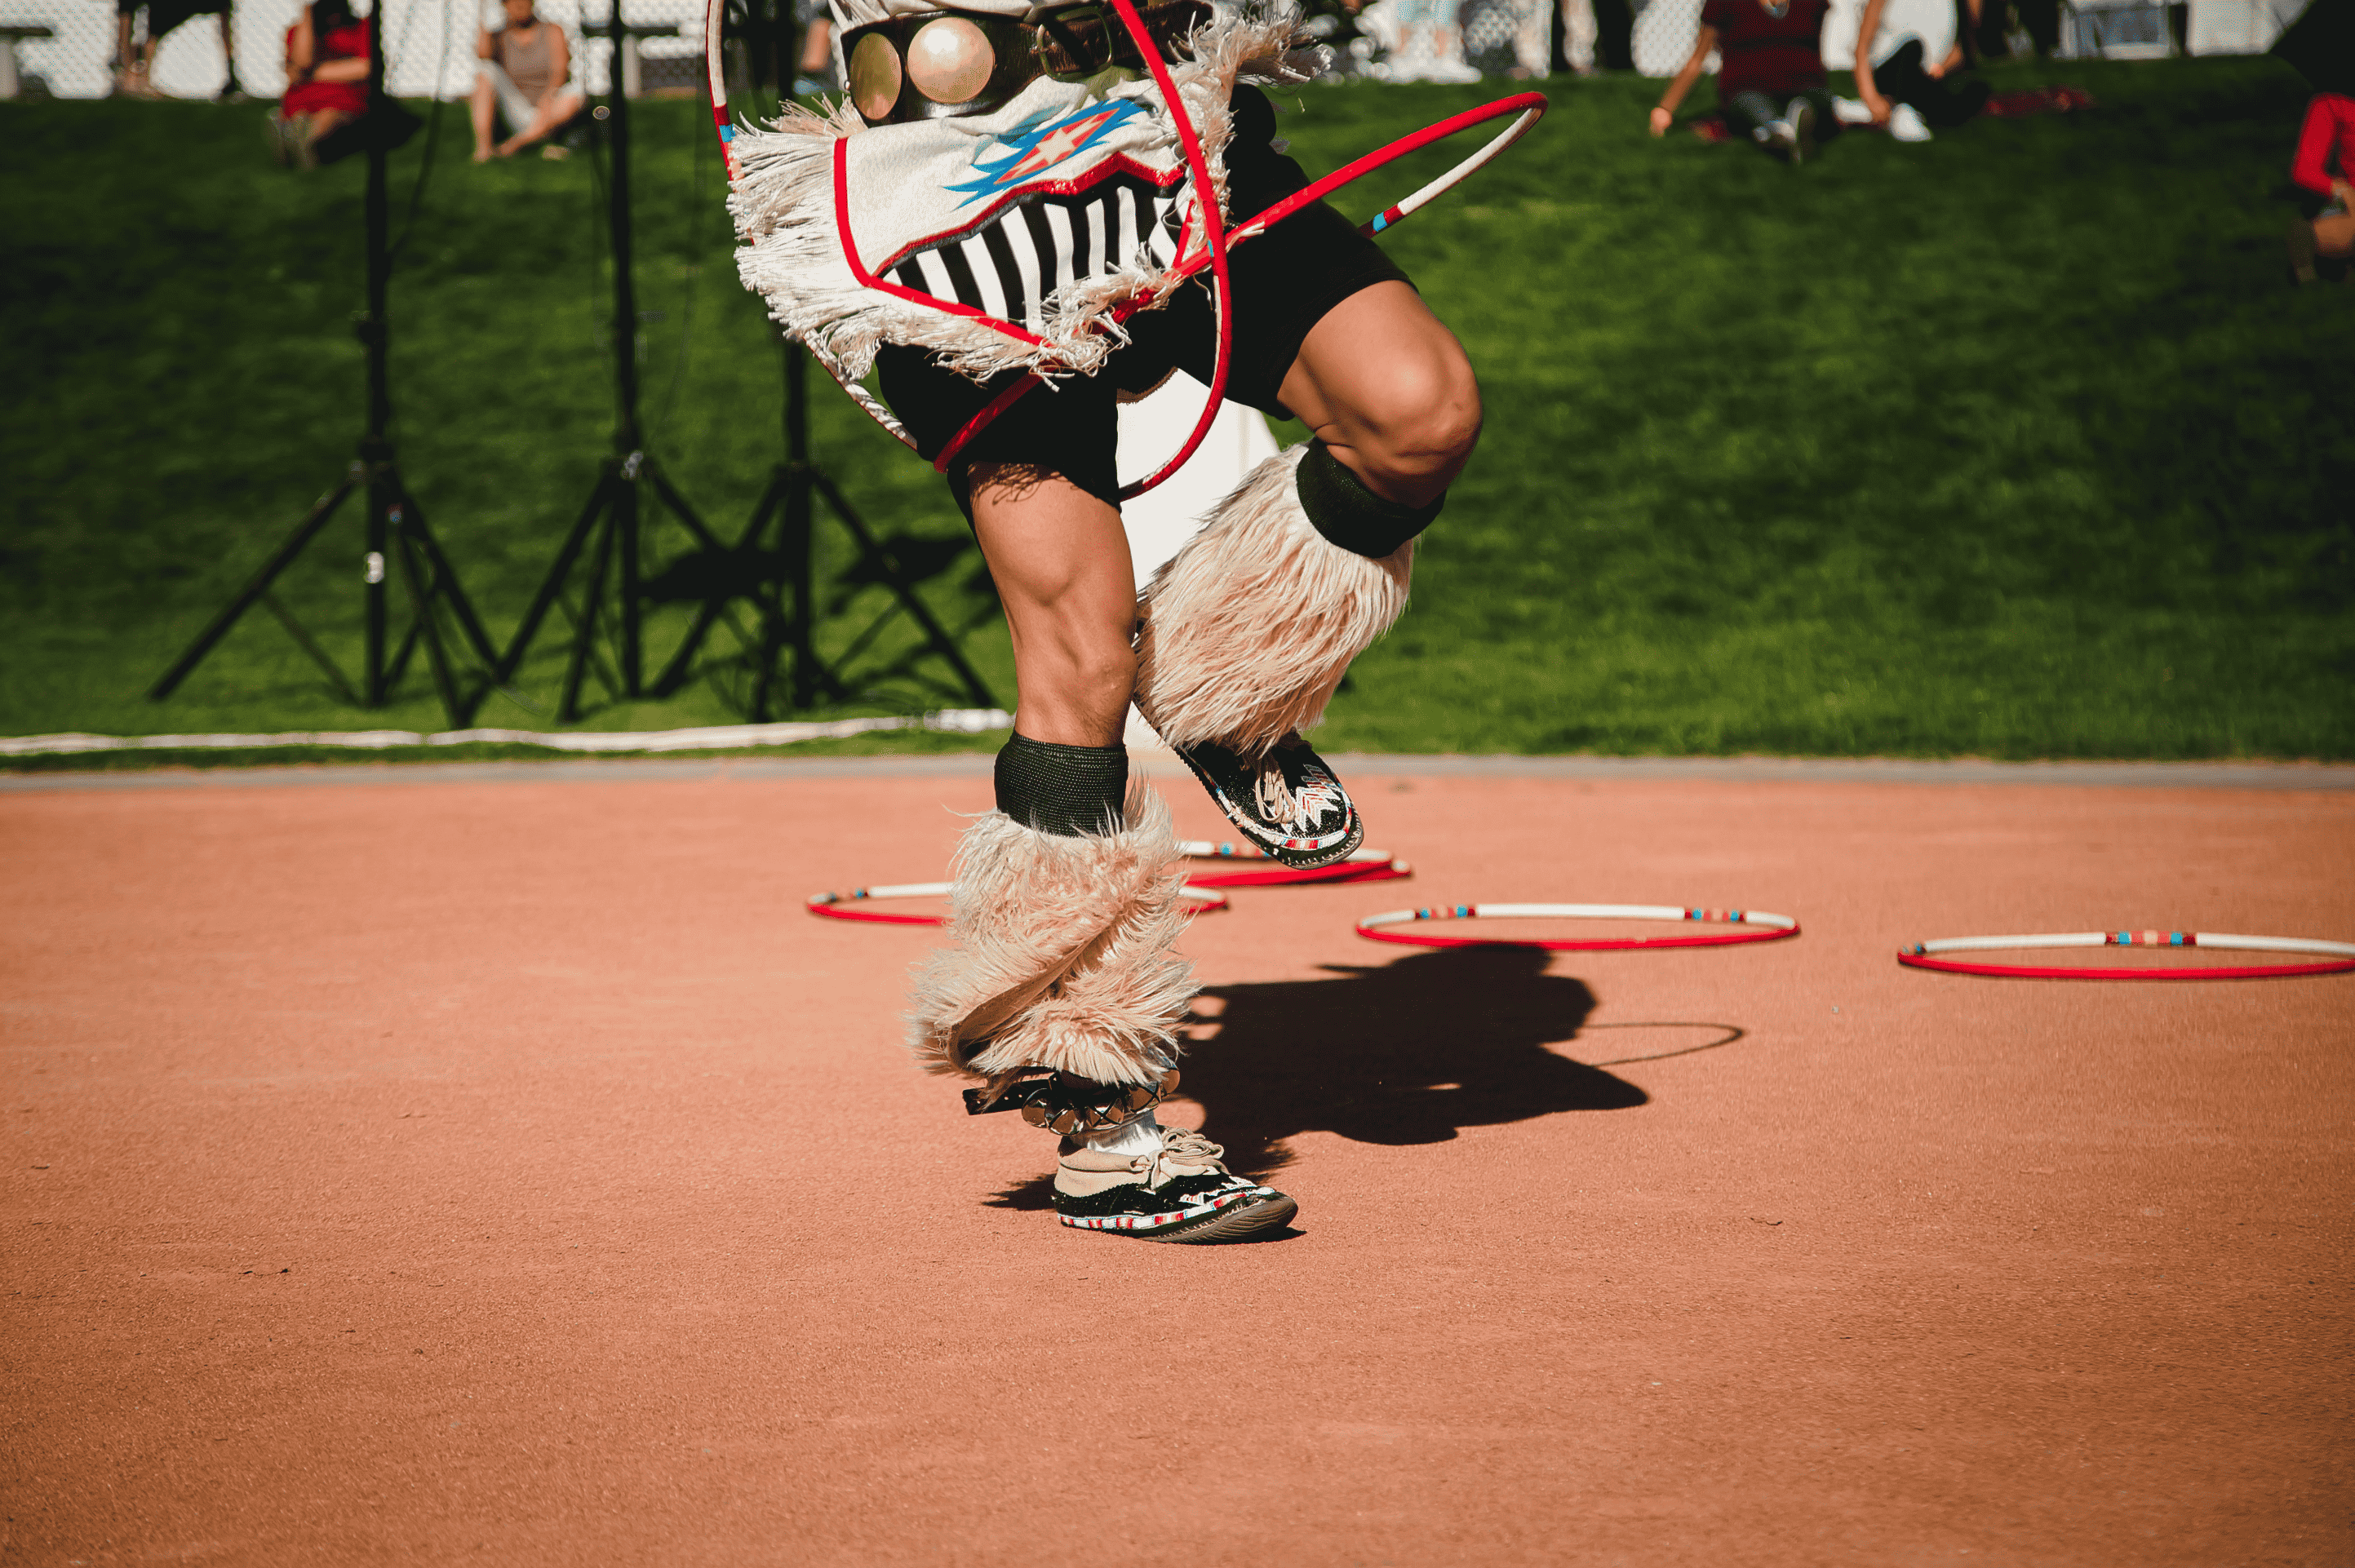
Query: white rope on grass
[{"x": 716, "y": 737}]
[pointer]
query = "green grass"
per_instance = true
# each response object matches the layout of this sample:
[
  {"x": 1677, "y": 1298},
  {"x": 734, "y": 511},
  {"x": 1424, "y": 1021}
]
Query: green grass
[{"x": 2012, "y": 444}]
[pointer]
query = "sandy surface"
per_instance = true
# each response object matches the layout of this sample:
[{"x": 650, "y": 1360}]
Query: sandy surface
[{"x": 512, "y": 1172}]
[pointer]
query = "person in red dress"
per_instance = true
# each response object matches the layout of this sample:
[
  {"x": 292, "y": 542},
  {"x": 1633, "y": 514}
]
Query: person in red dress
[
  {"x": 1770, "y": 79},
  {"x": 326, "y": 80},
  {"x": 2328, "y": 140}
]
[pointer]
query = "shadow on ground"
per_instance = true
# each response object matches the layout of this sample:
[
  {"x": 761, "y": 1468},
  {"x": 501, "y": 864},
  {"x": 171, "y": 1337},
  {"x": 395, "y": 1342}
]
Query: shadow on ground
[{"x": 1405, "y": 1053}]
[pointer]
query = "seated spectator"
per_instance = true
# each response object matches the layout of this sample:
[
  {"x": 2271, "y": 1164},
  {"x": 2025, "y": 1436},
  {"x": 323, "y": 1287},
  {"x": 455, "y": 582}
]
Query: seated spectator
[
  {"x": 2328, "y": 138},
  {"x": 521, "y": 79},
  {"x": 135, "y": 70},
  {"x": 327, "y": 81},
  {"x": 1430, "y": 44},
  {"x": 1893, "y": 40},
  {"x": 815, "y": 72},
  {"x": 1770, "y": 79}
]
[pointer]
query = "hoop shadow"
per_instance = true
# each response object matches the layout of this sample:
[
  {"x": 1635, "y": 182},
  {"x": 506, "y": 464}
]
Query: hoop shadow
[{"x": 1401, "y": 1053}]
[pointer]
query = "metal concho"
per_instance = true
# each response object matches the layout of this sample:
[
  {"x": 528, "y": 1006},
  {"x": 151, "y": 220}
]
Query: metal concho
[{"x": 1046, "y": 1100}]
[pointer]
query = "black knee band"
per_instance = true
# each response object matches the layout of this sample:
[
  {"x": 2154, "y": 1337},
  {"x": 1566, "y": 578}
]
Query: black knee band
[
  {"x": 1350, "y": 516},
  {"x": 1066, "y": 789}
]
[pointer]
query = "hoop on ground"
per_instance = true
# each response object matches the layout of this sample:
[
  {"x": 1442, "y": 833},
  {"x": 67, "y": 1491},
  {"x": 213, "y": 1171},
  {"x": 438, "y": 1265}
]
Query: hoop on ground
[
  {"x": 1762, "y": 926},
  {"x": 1363, "y": 865},
  {"x": 2339, "y": 956},
  {"x": 853, "y": 905}
]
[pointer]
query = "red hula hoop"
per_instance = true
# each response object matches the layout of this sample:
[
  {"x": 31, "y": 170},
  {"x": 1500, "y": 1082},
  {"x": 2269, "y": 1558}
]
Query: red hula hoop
[
  {"x": 838, "y": 906},
  {"x": 2337, "y": 958},
  {"x": 1214, "y": 251},
  {"x": 1369, "y": 928},
  {"x": 1350, "y": 173},
  {"x": 1366, "y": 866},
  {"x": 2031, "y": 971},
  {"x": 824, "y": 904},
  {"x": 1214, "y": 243}
]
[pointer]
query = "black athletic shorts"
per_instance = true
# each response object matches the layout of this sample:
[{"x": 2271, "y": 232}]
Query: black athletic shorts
[{"x": 1285, "y": 282}]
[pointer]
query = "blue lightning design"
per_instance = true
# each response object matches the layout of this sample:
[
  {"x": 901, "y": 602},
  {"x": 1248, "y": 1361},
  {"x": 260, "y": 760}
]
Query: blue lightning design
[{"x": 1020, "y": 155}]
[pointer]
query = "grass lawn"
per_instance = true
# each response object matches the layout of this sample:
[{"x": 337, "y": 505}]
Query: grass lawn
[{"x": 2015, "y": 444}]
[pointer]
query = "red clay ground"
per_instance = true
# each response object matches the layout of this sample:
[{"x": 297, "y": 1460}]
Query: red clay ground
[{"x": 511, "y": 1173}]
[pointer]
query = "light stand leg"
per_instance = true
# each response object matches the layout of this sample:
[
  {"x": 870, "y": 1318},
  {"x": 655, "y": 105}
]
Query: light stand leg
[
  {"x": 381, "y": 505},
  {"x": 309, "y": 644},
  {"x": 421, "y": 605},
  {"x": 511, "y": 661},
  {"x": 935, "y": 634},
  {"x": 585, "y": 635},
  {"x": 627, "y": 442},
  {"x": 799, "y": 544},
  {"x": 322, "y": 512},
  {"x": 625, "y": 534},
  {"x": 707, "y": 614},
  {"x": 445, "y": 579},
  {"x": 375, "y": 450}
]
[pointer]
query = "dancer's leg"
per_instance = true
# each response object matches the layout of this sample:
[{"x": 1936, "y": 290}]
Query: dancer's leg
[
  {"x": 1383, "y": 384},
  {"x": 1250, "y": 628},
  {"x": 1061, "y": 563},
  {"x": 1063, "y": 996}
]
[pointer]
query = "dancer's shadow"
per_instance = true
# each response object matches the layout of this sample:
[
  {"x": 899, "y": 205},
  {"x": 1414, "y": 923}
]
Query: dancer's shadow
[{"x": 1402, "y": 1053}]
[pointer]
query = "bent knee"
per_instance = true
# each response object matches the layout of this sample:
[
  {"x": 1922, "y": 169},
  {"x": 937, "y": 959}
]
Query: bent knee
[{"x": 1422, "y": 434}]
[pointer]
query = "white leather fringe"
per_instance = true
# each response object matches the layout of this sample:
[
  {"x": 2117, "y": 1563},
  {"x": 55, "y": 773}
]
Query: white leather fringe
[{"x": 783, "y": 203}]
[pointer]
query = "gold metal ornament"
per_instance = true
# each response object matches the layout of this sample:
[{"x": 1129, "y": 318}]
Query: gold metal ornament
[
  {"x": 950, "y": 60},
  {"x": 874, "y": 76}
]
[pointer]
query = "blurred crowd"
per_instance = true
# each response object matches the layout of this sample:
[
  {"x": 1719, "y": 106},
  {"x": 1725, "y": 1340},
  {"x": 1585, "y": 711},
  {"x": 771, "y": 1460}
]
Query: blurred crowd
[{"x": 1914, "y": 65}]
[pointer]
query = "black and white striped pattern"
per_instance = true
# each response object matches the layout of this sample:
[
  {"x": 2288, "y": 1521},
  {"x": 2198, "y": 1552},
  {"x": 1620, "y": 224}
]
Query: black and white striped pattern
[{"x": 1009, "y": 266}]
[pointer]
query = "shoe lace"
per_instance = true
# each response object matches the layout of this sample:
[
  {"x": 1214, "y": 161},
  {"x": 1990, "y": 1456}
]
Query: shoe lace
[
  {"x": 1183, "y": 1152},
  {"x": 1273, "y": 793}
]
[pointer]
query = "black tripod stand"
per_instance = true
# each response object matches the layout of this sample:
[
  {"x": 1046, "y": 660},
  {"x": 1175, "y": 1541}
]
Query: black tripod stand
[
  {"x": 791, "y": 500},
  {"x": 397, "y": 538},
  {"x": 614, "y": 510},
  {"x": 796, "y": 486}
]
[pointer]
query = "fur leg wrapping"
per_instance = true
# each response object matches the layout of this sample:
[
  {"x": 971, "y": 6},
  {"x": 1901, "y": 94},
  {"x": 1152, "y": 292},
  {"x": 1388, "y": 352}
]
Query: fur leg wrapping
[
  {"x": 1250, "y": 628},
  {"x": 1064, "y": 958}
]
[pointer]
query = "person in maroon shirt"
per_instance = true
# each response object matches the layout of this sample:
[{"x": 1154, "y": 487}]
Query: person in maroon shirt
[
  {"x": 1770, "y": 77},
  {"x": 2327, "y": 138}
]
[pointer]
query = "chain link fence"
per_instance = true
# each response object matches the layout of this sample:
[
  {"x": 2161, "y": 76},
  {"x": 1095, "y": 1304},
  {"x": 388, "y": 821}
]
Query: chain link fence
[
  {"x": 430, "y": 49},
  {"x": 430, "y": 46}
]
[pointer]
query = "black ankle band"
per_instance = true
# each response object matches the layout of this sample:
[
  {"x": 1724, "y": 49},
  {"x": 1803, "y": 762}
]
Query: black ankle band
[
  {"x": 1066, "y": 789},
  {"x": 1351, "y": 516}
]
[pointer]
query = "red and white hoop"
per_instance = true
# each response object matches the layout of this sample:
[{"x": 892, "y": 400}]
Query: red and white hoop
[
  {"x": 2339, "y": 956},
  {"x": 1760, "y": 927},
  {"x": 1363, "y": 865},
  {"x": 854, "y": 904}
]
